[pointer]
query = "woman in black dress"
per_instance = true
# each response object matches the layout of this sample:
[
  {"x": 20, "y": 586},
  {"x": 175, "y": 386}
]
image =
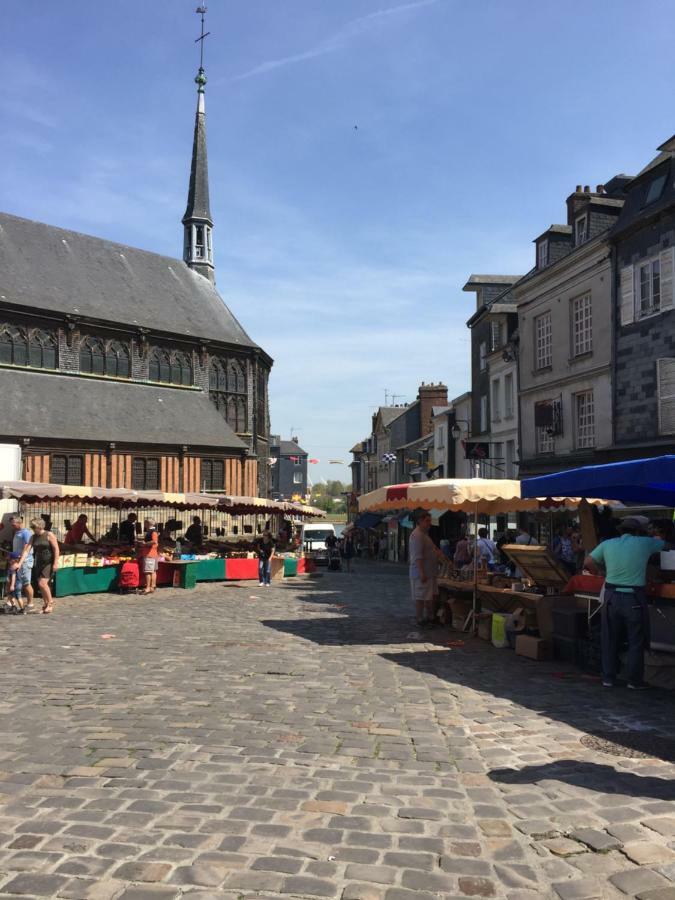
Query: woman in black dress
[{"x": 46, "y": 555}]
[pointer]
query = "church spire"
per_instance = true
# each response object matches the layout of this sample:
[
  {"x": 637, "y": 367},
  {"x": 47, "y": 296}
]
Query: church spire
[{"x": 197, "y": 222}]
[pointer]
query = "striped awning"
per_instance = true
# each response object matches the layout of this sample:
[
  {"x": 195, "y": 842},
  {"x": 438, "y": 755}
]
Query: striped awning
[{"x": 123, "y": 498}]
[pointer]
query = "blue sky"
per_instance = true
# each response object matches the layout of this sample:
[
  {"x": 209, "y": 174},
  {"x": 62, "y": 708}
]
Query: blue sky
[{"x": 342, "y": 250}]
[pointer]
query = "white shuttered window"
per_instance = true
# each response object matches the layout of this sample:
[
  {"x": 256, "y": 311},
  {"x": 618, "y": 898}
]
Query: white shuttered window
[
  {"x": 543, "y": 341},
  {"x": 582, "y": 325},
  {"x": 584, "y": 409},
  {"x": 665, "y": 376},
  {"x": 647, "y": 288}
]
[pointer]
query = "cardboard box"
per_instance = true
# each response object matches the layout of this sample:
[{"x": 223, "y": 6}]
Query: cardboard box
[
  {"x": 532, "y": 647},
  {"x": 485, "y": 626}
]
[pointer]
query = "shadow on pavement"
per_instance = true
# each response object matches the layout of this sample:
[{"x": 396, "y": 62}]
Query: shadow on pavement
[
  {"x": 618, "y": 717},
  {"x": 593, "y": 776}
]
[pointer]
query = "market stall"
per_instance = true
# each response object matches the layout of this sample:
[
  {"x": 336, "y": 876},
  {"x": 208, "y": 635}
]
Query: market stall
[
  {"x": 476, "y": 497},
  {"x": 640, "y": 482},
  {"x": 226, "y": 551}
]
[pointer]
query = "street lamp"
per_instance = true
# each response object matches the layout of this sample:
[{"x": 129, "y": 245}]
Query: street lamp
[{"x": 456, "y": 431}]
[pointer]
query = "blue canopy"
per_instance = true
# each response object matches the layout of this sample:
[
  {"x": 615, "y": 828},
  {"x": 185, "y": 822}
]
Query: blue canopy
[
  {"x": 367, "y": 520},
  {"x": 648, "y": 481}
]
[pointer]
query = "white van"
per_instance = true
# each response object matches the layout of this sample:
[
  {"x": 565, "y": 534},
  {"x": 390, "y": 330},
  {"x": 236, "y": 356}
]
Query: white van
[{"x": 314, "y": 540}]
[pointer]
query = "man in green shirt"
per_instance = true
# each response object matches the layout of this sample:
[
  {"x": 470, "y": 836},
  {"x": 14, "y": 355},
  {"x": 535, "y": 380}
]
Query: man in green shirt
[{"x": 624, "y": 612}]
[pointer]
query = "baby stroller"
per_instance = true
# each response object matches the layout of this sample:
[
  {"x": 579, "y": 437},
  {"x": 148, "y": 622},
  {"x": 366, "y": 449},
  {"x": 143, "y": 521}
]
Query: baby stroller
[{"x": 334, "y": 559}]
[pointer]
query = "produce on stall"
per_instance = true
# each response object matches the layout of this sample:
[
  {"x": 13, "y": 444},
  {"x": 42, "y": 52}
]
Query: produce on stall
[
  {"x": 476, "y": 496},
  {"x": 648, "y": 482},
  {"x": 227, "y": 552}
]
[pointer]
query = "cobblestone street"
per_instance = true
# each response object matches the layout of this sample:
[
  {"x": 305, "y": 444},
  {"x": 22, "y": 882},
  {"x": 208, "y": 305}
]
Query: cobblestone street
[{"x": 306, "y": 741}]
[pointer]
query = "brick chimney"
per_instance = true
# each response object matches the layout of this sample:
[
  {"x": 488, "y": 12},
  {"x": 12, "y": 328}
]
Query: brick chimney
[{"x": 430, "y": 395}]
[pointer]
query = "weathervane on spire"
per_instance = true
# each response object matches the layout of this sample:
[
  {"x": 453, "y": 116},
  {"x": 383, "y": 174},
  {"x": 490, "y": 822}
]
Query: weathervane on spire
[{"x": 201, "y": 77}]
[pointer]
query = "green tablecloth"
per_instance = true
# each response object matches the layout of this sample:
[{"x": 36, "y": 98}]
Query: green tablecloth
[
  {"x": 85, "y": 581},
  {"x": 211, "y": 570}
]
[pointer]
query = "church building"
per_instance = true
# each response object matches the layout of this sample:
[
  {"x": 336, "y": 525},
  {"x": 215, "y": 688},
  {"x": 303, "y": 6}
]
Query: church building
[{"x": 123, "y": 368}]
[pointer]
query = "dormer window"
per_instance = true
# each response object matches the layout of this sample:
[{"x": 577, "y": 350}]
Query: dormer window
[
  {"x": 655, "y": 190},
  {"x": 542, "y": 254},
  {"x": 581, "y": 230}
]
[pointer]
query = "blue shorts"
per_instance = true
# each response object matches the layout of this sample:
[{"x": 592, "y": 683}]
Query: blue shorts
[{"x": 23, "y": 575}]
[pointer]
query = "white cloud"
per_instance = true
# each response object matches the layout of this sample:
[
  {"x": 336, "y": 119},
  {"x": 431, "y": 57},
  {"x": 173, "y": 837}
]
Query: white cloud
[{"x": 335, "y": 42}]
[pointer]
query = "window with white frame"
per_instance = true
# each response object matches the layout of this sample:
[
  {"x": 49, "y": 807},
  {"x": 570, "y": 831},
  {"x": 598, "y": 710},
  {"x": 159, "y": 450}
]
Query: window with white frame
[
  {"x": 482, "y": 355},
  {"x": 542, "y": 254},
  {"x": 297, "y": 477},
  {"x": 496, "y": 334},
  {"x": 496, "y": 410},
  {"x": 649, "y": 287},
  {"x": 440, "y": 437},
  {"x": 483, "y": 413},
  {"x": 582, "y": 325},
  {"x": 508, "y": 395},
  {"x": 584, "y": 416},
  {"x": 543, "y": 341},
  {"x": 545, "y": 442},
  {"x": 581, "y": 227}
]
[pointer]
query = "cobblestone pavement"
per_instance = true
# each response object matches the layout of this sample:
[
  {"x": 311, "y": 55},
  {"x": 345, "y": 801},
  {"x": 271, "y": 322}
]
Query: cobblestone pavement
[{"x": 305, "y": 741}]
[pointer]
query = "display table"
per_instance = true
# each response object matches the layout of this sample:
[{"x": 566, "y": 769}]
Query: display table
[
  {"x": 90, "y": 580},
  {"x": 241, "y": 569},
  {"x": 181, "y": 573},
  {"x": 210, "y": 569}
]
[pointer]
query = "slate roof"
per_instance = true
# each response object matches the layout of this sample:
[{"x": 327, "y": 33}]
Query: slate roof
[
  {"x": 290, "y": 448},
  {"x": 636, "y": 213},
  {"x": 39, "y": 404},
  {"x": 389, "y": 413},
  {"x": 478, "y": 280},
  {"x": 45, "y": 268},
  {"x": 198, "y": 205}
]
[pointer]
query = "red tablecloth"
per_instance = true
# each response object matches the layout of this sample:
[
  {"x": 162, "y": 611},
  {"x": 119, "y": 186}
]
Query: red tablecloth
[
  {"x": 584, "y": 584},
  {"x": 592, "y": 584},
  {"x": 241, "y": 569}
]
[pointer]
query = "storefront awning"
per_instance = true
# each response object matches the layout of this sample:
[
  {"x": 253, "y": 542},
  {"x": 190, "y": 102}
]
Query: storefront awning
[
  {"x": 650, "y": 481},
  {"x": 367, "y": 520}
]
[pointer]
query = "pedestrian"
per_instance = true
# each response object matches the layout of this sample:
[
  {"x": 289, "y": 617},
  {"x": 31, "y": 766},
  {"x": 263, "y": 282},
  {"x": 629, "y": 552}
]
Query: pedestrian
[
  {"x": 485, "y": 548},
  {"x": 13, "y": 593},
  {"x": 424, "y": 557},
  {"x": 463, "y": 553},
  {"x": 348, "y": 549},
  {"x": 45, "y": 549},
  {"x": 128, "y": 529},
  {"x": 383, "y": 547},
  {"x": 78, "y": 530},
  {"x": 264, "y": 549},
  {"x": 624, "y": 612},
  {"x": 23, "y": 583},
  {"x": 149, "y": 555},
  {"x": 195, "y": 533},
  {"x": 566, "y": 550},
  {"x": 524, "y": 537}
]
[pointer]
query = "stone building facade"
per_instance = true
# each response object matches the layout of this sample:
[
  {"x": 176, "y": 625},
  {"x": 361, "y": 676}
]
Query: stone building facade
[
  {"x": 493, "y": 327},
  {"x": 644, "y": 320},
  {"x": 565, "y": 336}
]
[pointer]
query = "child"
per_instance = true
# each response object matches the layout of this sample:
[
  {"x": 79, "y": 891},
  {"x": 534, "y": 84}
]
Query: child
[{"x": 14, "y": 586}]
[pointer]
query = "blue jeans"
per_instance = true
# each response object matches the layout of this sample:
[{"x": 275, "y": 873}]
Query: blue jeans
[
  {"x": 624, "y": 617},
  {"x": 265, "y": 571}
]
